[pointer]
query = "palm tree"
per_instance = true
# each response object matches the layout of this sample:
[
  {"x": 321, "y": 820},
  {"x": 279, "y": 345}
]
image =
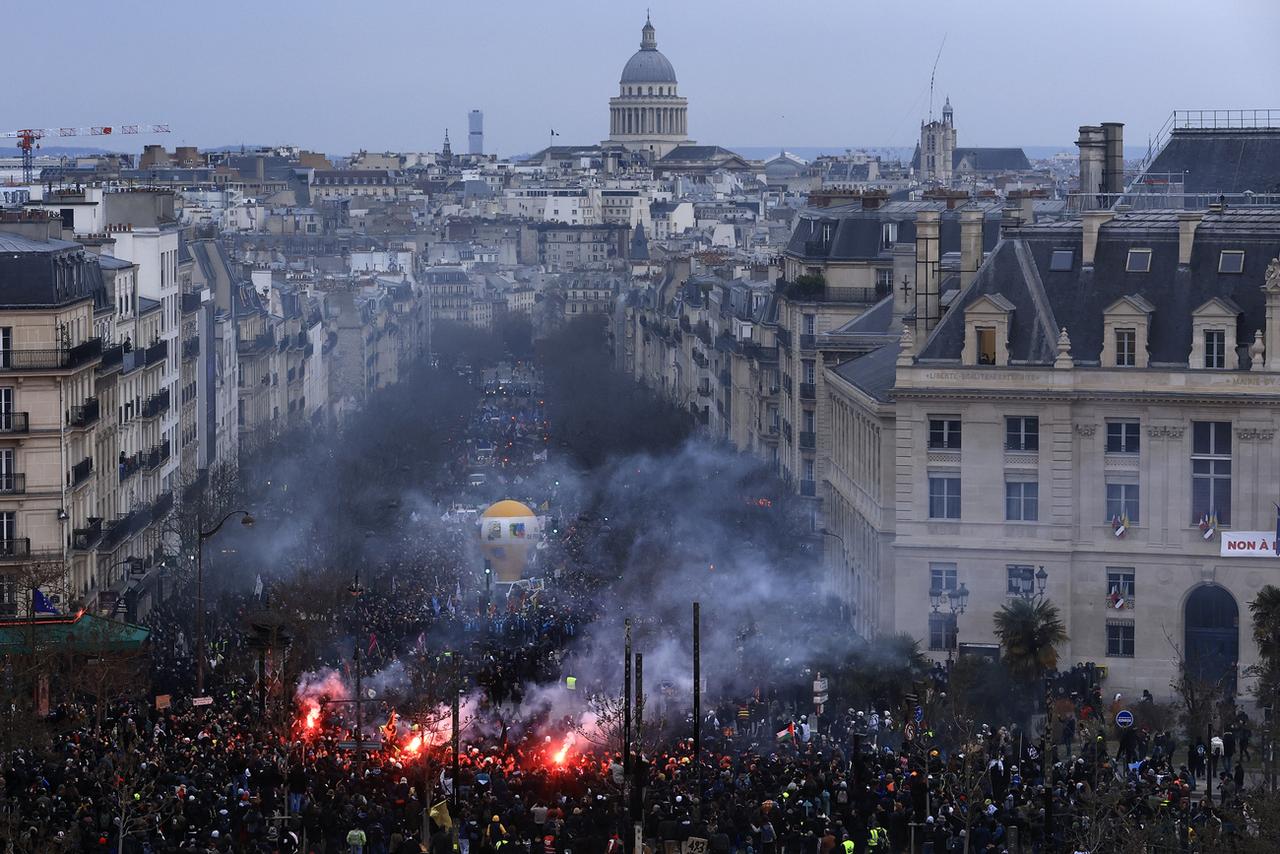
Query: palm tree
[
  {"x": 1266, "y": 634},
  {"x": 1029, "y": 634}
]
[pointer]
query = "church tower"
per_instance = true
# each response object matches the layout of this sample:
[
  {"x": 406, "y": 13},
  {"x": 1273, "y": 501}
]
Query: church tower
[{"x": 937, "y": 148}]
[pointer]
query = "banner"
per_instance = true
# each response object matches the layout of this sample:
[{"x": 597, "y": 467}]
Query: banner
[{"x": 1247, "y": 544}]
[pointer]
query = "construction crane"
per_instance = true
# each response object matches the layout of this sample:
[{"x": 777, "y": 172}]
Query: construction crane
[{"x": 29, "y": 139}]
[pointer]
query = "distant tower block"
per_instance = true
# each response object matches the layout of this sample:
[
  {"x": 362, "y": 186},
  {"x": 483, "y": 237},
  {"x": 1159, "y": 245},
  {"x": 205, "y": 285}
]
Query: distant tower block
[{"x": 476, "y": 139}]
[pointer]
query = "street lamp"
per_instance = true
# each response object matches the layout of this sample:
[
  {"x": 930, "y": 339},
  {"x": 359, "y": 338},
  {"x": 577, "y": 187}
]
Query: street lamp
[
  {"x": 955, "y": 601},
  {"x": 843, "y": 549},
  {"x": 1031, "y": 585},
  {"x": 202, "y": 535},
  {"x": 356, "y": 589}
]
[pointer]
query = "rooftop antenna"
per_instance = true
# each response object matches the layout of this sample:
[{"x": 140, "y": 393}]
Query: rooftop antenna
[{"x": 933, "y": 72}]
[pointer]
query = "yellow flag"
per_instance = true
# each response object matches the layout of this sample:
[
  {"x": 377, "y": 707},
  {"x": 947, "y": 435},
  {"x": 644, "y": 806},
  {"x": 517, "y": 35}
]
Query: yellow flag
[{"x": 440, "y": 815}]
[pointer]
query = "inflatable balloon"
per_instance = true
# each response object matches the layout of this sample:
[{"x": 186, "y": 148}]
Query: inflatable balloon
[{"x": 508, "y": 535}]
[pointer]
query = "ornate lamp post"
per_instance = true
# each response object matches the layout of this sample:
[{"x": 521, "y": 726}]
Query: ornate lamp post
[{"x": 955, "y": 602}]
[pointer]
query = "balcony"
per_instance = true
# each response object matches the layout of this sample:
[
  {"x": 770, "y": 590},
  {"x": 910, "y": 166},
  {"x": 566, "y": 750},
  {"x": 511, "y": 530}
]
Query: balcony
[
  {"x": 133, "y": 360},
  {"x": 808, "y": 441},
  {"x": 699, "y": 359},
  {"x": 52, "y": 359},
  {"x": 190, "y": 349},
  {"x": 157, "y": 353},
  {"x": 190, "y": 303},
  {"x": 85, "y": 539},
  {"x": 704, "y": 389},
  {"x": 808, "y": 488},
  {"x": 80, "y": 473},
  {"x": 808, "y": 342},
  {"x": 808, "y": 391},
  {"x": 261, "y": 344},
  {"x": 783, "y": 336},
  {"x": 163, "y": 504},
  {"x": 112, "y": 357},
  {"x": 786, "y": 384},
  {"x": 129, "y": 466},
  {"x": 157, "y": 456},
  {"x": 123, "y": 528},
  {"x": 12, "y": 483},
  {"x": 14, "y": 422},
  {"x": 15, "y": 549},
  {"x": 156, "y": 405},
  {"x": 299, "y": 341},
  {"x": 85, "y": 415}
]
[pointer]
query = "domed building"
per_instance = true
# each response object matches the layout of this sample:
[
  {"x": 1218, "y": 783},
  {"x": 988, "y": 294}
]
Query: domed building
[{"x": 648, "y": 114}]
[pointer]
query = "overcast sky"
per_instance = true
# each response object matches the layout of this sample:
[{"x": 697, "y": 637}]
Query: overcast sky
[{"x": 337, "y": 76}]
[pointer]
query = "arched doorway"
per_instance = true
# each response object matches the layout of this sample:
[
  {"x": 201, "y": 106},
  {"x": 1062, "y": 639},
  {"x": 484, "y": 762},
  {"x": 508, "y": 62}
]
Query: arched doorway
[{"x": 1213, "y": 636}]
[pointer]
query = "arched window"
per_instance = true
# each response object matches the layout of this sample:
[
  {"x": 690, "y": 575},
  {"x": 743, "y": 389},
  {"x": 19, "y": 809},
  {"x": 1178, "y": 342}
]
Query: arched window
[{"x": 650, "y": 90}]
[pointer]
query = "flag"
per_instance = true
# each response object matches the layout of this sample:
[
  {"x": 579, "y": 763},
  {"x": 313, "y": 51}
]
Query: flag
[
  {"x": 440, "y": 815},
  {"x": 373, "y": 644},
  {"x": 257, "y": 587},
  {"x": 553, "y": 132},
  {"x": 41, "y": 604}
]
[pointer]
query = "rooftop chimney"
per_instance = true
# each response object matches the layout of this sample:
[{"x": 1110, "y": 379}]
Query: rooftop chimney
[
  {"x": 970, "y": 244},
  {"x": 928, "y": 303},
  {"x": 1091, "y": 223},
  {"x": 1093, "y": 156},
  {"x": 1113, "y": 166},
  {"x": 1188, "y": 222}
]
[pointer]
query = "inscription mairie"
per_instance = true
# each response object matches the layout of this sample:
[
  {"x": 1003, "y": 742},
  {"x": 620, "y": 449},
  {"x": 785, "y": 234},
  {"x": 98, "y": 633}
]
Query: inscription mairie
[
  {"x": 1250, "y": 434},
  {"x": 1165, "y": 431}
]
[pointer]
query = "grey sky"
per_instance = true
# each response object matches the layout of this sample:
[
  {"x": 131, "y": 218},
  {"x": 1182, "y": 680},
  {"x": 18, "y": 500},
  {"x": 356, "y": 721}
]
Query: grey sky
[{"x": 336, "y": 76}]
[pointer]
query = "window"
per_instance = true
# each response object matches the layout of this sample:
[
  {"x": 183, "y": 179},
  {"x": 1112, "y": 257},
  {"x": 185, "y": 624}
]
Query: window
[
  {"x": 942, "y": 576},
  {"x": 942, "y": 631},
  {"x": 1139, "y": 261},
  {"x": 810, "y": 324},
  {"x": 1120, "y": 582},
  {"x": 1021, "y": 501},
  {"x": 1020, "y": 579},
  {"x": 1231, "y": 261},
  {"x": 1211, "y": 471},
  {"x": 808, "y": 420},
  {"x": 1022, "y": 433},
  {"x": 1122, "y": 501},
  {"x": 1215, "y": 348},
  {"x": 944, "y": 433},
  {"x": 888, "y": 234},
  {"x": 1123, "y": 437},
  {"x": 986, "y": 345},
  {"x": 6, "y": 345},
  {"x": 1120, "y": 638},
  {"x": 808, "y": 371},
  {"x": 884, "y": 279},
  {"x": 944, "y": 496},
  {"x": 1126, "y": 348},
  {"x": 1061, "y": 260}
]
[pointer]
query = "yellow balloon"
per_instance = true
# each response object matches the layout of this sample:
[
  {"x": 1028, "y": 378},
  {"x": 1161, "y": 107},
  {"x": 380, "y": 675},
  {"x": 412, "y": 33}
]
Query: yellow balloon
[{"x": 508, "y": 534}]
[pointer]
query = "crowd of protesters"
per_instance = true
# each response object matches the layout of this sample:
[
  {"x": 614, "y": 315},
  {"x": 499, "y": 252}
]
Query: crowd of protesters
[{"x": 244, "y": 773}]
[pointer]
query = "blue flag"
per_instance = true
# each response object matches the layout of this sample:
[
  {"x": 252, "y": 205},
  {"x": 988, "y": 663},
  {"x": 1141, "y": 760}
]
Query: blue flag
[{"x": 41, "y": 603}]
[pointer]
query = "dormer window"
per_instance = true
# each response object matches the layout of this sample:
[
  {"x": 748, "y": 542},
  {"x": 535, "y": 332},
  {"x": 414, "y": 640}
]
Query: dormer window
[
  {"x": 986, "y": 331},
  {"x": 1139, "y": 261},
  {"x": 1125, "y": 326},
  {"x": 1215, "y": 348},
  {"x": 888, "y": 234},
  {"x": 1126, "y": 348},
  {"x": 1061, "y": 260},
  {"x": 1231, "y": 261}
]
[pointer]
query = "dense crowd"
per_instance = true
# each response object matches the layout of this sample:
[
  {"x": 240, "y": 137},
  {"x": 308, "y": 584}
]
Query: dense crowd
[{"x": 248, "y": 773}]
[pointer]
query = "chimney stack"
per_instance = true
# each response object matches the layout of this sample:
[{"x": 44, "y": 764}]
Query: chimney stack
[
  {"x": 1093, "y": 156},
  {"x": 970, "y": 244},
  {"x": 1091, "y": 223},
  {"x": 928, "y": 303},
  {"x": 1113, "y": 166},
  {"x": 1188, "y": 222}
]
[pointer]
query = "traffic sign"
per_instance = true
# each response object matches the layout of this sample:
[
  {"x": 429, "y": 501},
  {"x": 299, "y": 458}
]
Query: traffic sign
[{"x": 1124, "y": 719}]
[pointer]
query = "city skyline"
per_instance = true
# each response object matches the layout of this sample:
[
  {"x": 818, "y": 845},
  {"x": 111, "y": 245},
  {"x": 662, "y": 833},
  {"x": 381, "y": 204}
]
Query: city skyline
[{"x": 828, "y": 96}]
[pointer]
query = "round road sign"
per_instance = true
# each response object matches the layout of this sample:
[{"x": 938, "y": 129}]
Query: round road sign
[{"x": 1124, "y": 719}]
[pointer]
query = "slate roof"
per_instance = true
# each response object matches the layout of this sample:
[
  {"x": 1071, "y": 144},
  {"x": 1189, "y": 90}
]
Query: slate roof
[
  {"x": 857, "y": 232},
  {"x": 1221, "y": 160},
  {"x": 28, "y": 278},
  {"x": 873, "y": 373},
  {"x": 698, "y": 154},
  {"x": 1045, "y": 301}
]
